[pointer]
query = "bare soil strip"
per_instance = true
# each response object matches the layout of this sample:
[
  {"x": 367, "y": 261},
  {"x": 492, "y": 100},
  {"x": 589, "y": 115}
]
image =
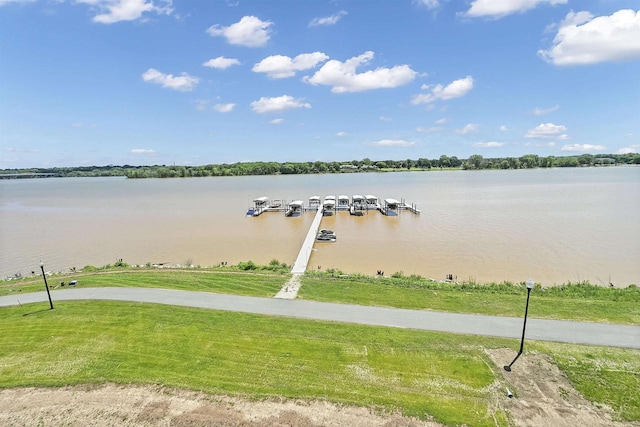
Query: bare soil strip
[{"x": 542, "y": 397}]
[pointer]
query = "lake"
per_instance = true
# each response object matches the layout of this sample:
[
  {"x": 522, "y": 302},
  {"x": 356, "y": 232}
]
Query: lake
[{"x": 551, "y": 225}]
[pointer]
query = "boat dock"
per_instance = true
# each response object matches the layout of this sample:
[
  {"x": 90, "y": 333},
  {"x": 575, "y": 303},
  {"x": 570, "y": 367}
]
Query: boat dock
[
  {"x": 357, "y": 206},
  {"x": 391, "y": 207}
]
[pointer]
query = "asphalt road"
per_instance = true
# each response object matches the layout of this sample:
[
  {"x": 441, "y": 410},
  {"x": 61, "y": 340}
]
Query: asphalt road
[{"x": 601, "y": 334}]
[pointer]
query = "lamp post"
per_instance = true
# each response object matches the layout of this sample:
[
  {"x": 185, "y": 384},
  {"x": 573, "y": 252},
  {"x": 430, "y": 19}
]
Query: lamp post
[
  {"x": 529, "y": 284},
  {"x": 46, "y": 286}
]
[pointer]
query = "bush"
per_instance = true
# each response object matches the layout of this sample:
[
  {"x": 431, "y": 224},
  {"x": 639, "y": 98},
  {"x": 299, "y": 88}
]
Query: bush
[{"x": 246, "y": 266}]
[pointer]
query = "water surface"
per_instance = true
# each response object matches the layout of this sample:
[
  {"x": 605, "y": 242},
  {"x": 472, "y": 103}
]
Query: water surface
[{"x": 552, "y": 225}]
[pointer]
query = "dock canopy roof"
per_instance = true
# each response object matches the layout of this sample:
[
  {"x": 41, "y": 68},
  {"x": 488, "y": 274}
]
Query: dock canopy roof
[
  {"x": 314, "y": 198},
  {"x": 296, "y": 203},
  {"x": 357, "y": 197},
  {"x": 261, "y": 200}
]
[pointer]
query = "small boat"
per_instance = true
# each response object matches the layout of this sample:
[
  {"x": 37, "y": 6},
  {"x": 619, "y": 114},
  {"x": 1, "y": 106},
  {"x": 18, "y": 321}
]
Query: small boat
[
  {"x": 325, "y": 235},
  {"x": 326, "y": 238}
]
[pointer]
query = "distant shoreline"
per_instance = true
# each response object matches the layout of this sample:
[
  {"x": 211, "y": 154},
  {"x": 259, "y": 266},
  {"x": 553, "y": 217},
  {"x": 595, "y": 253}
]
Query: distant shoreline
[{"x": 474, "y": 162}]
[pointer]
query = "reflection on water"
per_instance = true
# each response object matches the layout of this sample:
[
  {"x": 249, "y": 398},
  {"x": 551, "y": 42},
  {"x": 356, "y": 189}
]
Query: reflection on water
[{"x": 551, "y": 225}]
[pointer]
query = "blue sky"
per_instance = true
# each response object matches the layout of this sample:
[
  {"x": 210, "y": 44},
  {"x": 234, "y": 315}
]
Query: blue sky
[{"x": 98, "y": 82}]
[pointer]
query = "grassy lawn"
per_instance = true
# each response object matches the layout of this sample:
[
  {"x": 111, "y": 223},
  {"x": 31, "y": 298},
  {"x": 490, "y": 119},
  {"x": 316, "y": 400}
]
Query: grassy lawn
[
  {"x": 601, "y": 374},
  {"x": 221, "y": 281},
  {"x": 423, "y": 374},
  {"x": 581, "y": 302}
]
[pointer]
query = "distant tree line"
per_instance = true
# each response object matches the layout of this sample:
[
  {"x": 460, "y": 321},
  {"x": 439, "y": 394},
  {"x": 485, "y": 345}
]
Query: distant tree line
[
  {"x": 529, "y": 161},
  {"x": 474, "y": 162}
]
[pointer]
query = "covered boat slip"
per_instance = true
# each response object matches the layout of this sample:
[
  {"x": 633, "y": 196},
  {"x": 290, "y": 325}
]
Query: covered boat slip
[
  {"x": 295, "y": 208},
  {"x": 343, "y": 202},
  {"x": 392, "y": 207},
  {"x": 357, "y": 206}
]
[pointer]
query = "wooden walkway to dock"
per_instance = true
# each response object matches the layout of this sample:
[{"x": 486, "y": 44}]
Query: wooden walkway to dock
[
  {"x": 290, "y": 289},
  {"x": 300, "y": 266}
]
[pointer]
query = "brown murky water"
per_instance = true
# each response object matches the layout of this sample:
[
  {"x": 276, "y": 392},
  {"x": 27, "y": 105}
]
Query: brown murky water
[{"x": 553, "y": 225}]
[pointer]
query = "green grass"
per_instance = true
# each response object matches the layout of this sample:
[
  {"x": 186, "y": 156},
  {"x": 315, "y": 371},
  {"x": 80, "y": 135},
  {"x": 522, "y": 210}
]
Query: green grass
[
  {"x": 601, "y": 374},
  {"x": 425, "y": 374},
  {"x": 579, "y": 301},
  {"x": 582, "y": 302},
  {"x": 421, "y": 374},
  {"x": 231, "y": 282}
]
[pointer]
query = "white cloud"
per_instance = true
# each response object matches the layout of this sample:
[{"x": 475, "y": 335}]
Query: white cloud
[
  {"x": 279, "y": 66},
  {"x": 224, "y": 108},
  {"x": 441, "y": 121},
  {"x": 583, "y": 39},
  {"x": 429, "y": 129},
  {"x": 501, "y": 8},
  {"x": 221, "y": 63},
  {"x": 344, "y": 78},
  {"x": 429, "y": 4},
  {"x": 111, "y": 11},
  {"x": 491, "y": 144},
  {"x": 143, "y": 151},
  {"x": 391, "y": 143},
  {"x": 455, "y": 89},
  {"x": 582, "y": 147},
  {"x": 471, "y": 127},
  {"x": 3, "y": 2},
  {"x": 278, "y": 104},
  {"x": 327, "y": 21},
  {"x": 542, "y": 111},
  {"x": 385, "y": 118},
  {"x": 276, "y": 121},
  {"x": 540, "y": 144},
  {"x": 503, "y": 128},
  {"x": 21, "y": 150},
  {"x": 183, "y": 82},
  {"x": 250, "y": 32},
  {"x": 341, "y": 134},
  {"x": 628, "y": 150},
  {"x": 546, "y": 130},
  {"x": 201, "y": 104}
]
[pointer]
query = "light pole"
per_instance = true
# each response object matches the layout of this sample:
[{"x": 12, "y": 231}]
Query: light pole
[
  {"x": 529, "y": 284},
  {"x": 46, "y": 286}
]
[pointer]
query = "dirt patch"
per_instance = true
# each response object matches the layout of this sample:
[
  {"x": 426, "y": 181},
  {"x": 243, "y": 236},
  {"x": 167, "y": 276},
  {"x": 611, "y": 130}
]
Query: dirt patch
[
  {"x": 543, "y": 395},
  {"x": 111, "y": 404}
]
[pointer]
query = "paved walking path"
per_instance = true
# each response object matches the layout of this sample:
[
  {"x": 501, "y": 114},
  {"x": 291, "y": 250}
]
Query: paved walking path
[{"x": 537, "y": 329}]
